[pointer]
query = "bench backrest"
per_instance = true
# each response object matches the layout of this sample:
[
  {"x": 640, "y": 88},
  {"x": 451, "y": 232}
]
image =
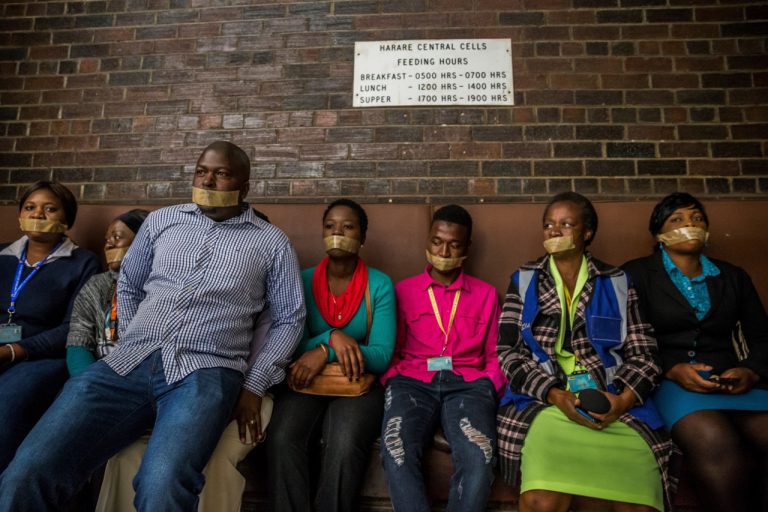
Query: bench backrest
[{"x": 505, "y": 235}]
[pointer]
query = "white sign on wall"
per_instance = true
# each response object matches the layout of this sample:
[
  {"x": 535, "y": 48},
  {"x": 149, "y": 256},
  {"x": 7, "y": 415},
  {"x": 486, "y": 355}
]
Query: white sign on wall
[{"x": 433, "y": 72}]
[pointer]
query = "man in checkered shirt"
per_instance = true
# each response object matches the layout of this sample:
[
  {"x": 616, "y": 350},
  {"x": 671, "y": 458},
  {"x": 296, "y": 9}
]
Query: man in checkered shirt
[{"x": 191, "y": 285}]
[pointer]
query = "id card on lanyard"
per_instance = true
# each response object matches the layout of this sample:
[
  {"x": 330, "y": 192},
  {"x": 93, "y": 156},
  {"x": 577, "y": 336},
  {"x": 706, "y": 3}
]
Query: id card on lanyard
[
  {"x": 11, "y": 332},
  {"x": 443, "y": 362}
]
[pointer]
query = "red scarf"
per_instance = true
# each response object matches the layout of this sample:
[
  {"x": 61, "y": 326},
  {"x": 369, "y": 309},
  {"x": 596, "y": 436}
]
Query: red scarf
[{"x": 338, "y": 311}]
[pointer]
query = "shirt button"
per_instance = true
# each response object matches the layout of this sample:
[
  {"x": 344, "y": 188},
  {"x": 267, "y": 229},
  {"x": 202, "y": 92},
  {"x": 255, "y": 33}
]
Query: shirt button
[{"x": 691, "y": 353}]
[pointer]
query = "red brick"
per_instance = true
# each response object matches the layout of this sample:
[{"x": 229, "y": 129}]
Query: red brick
[
  {"x": 77, "y": 143},
  {"x": 376, "y": 152},
  {"x": 574, "y": 81},
  {"x": 571, "y": 17},
  {"x": 645, "y": 32},
  {"x": 649, "y": 48},
  {"x": 326, "y": 118},
  {"x": 683, "y": 149},
  {"x": 598, "y": 65},
  {"x": 113, "y": 34},
  {"x": 674, "y": 81},
  {"x": 48, "y": 52},
  {"x": 714, "y": 167},
  {"x": 378, "y": 22},
  {"x": 447, "y": 134},
  {"x": 675, "y": 115},
  {"x": 625, "y": 81},
  {"x": 475, "y": 151},
  {"x": 650, "y": 132},
  {"x": 423, "y": 151},
  {"x": 648, "y": 64},
  {"x": 695, "y": 31},
  {"x": 719, "y": 14},
  {"x": 300, "y": 135},
  {"x": 324, "y": 151}
]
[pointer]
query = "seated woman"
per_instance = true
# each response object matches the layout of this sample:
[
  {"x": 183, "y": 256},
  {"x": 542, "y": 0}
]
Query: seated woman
[
  {"x": 93, "y": 325},
  {"x": 337, "y": 291},
  {"x": 93, "y": 333},
  {"x": 570, "y": 330},
  {"x": 40, "y": 274},
  {"x": 712, "y": 332}
]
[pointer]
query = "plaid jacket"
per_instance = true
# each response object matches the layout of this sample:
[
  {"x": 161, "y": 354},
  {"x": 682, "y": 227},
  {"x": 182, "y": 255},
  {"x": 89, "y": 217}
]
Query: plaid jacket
[{"x": 639, "y": 370}]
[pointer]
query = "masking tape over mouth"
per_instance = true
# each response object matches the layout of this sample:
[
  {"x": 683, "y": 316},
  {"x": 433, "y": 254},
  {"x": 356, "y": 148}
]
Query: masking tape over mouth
[
  {"x": 41, "y": 226},
  {"x": 205, "y": 197},
  {"x": 341, "y": 242},
  {"x": 444, "y": 264},
  {"x": 115, "y": 255},
  {"x": 680, "y": 235},
  {"x": 559, "y": 244}
]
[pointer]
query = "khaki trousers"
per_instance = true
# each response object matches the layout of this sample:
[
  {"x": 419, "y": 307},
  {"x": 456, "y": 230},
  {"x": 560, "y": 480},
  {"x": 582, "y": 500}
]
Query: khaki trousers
[{"x": 224, "y": 484}]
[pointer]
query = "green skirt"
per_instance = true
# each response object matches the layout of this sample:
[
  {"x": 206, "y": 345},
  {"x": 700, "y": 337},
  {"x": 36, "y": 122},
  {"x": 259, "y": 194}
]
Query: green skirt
[{"x": 612, "y": 464}]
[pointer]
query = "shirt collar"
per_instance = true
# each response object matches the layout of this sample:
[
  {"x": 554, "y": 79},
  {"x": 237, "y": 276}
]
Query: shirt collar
[
  {"x": 246, "y": 215},
  {"x": 708, "y": 269},
  {"x": 63, "y": 251},
  {"x": 459, "y": 284}
]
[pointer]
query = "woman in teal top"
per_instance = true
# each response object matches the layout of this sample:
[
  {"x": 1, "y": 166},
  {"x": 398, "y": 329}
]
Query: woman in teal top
[{"x": 336, "y": 330}]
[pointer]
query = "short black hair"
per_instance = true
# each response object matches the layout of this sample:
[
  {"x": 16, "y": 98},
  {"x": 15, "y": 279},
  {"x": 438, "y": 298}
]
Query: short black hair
[
  {"x": 454, "y": 214},
  {"x": 237, "y": 158},
  {"x": 362, "y": 217},
  {"x": 133, "y": 219},
  {"x": 667, "y": 207},
  {"x": 62, "y": 193},
  {"x": 588, "y": 212}
]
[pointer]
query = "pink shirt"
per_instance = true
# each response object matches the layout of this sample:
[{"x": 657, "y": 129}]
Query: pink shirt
[{"x": 471, "y": 341}]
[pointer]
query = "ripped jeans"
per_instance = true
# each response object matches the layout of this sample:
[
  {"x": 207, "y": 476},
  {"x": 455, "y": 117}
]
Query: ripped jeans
[{"x": 467, "y": 413}]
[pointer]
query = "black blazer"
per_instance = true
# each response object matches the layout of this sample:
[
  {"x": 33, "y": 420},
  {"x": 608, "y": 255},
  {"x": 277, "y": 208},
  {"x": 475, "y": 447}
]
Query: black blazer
[{"x": 682, "y": 337}]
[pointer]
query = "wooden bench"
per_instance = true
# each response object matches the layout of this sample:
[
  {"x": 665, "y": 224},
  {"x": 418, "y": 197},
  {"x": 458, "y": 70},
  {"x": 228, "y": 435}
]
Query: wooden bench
[{"x": 505, "y": 236}]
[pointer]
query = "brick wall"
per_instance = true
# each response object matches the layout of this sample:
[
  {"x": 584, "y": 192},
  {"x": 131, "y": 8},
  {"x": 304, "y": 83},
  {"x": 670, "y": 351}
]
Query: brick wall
[{"x": 617, "y": 99}]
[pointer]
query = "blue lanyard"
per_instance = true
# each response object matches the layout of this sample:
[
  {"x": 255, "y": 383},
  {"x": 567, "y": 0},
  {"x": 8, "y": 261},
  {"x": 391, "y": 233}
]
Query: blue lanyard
[{"x": 18, "y": 284}]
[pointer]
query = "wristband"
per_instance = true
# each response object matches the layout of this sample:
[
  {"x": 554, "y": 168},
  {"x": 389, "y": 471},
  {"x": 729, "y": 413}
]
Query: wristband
[{"x": 13, "y": 352}]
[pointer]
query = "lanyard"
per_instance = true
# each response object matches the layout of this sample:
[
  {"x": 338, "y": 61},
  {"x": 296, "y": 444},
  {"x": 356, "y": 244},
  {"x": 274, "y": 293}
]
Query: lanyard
[
  {"x": 439, "y": 318},
  {"x": 18, "y": 284},
  {"x": 110, "y": 327}
]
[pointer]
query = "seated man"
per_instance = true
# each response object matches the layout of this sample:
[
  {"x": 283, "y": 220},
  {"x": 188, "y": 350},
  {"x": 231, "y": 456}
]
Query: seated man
[
  {"x": 190, "y": 287},
  {"x": 445, "y": 370}
]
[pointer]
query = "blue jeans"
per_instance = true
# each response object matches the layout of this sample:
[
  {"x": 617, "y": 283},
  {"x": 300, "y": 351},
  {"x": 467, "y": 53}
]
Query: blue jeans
[
  {"x": 100, "y": 412},
  {"x": 467, "y": 413},
  {"x": 26, "y": 390}
]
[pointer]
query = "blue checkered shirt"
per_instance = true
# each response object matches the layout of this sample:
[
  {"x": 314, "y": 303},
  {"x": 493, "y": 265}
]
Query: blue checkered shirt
[{"x": 192, "y": 288}]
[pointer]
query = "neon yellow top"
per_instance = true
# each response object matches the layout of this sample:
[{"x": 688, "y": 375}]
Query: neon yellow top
[{"x": 568, "y": 303}]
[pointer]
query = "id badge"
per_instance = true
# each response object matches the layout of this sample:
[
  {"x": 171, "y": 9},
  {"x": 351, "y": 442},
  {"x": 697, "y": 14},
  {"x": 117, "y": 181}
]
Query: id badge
[
  {"x": 435, "y": 364},
  {"x": 580, "y": 381},
  {"x": 10, "y": 333}
]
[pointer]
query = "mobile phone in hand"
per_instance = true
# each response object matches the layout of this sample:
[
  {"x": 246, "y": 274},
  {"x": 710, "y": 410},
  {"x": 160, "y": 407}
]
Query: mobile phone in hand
[
  {"x": 724, "y": 381},
  {"x": 586, "y": 415}
]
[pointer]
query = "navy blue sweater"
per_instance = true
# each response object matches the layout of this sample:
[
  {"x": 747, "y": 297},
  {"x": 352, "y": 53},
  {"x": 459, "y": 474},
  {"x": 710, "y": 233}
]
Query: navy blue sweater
[{"x": 45, "y": 303}]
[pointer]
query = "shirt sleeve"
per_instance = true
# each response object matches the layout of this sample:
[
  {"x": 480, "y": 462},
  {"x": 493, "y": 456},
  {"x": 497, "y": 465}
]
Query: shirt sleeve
[
  {"x": 492, "y": 368},
  {"x": 285, "y": 298},
  {"x": 78, "y": 359},
  {"x": 52, "y": 343},
  {"x": 381, "y": 341},
  {"x": 134, "y": 272},
  {"x": 82, "y": 324},
  {"x": 640, "y": 369},
  {"x": 754, "y": 326},
  {"x": 522, "y": 371}
]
